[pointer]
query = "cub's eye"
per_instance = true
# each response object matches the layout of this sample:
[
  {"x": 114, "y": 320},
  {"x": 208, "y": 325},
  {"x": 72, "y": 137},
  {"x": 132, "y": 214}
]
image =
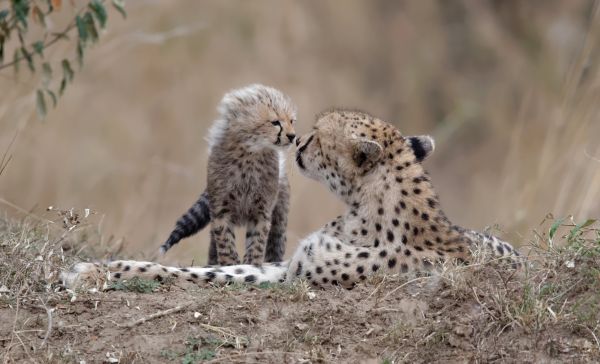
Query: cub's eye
[
  {"x": 276, "y": 123},
  {"x": 292, "y": 121}
]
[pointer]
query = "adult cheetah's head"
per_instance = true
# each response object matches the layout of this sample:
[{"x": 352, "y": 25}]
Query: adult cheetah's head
[
  {"x": 348, "y": 149},
  {"x": 264, "y": 115}
]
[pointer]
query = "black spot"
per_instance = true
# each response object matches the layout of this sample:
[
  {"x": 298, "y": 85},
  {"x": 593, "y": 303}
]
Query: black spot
[
  {"x": 419, "y": 248},
  {"x": 376, "y": 243},
  {"x": 325, "y": 280},
  {"x": 194, "y": 275},
  {"x": 363, "y": 255},
  {"x": 360, "y": 269},
  {"x": 250, "y": 278},
  {"x": 378, "y": 226},
  {"x": 299, "y": 269},
  {"x": 500, "y": 249},
  {"x": 431, "y": 202},
  {"x": 417, "y": 191},
  {"x": 142, "y": 269},
  {"x": 407, "y": 226},
  {"x": 333, "y": 272},
  {"x": 395, "y": 222},
  {"x": 380, "y": 211},
  {"x": 184, "y": 269},
  {"x": 238, "y": 271},
  {"x": 348, "y": 255},
  {"x": 404, "y": 267},
  {"x": 425, "y": 216},
  {"x": 127, "y": 268},
  {"x": 345, "y": 276},
  {"x": 415, "y": 211},
  {"x": 364, "y": 232},
  {"x": 158, "y": 278},
  {"x": 407, "y": 253},
  {"x": 399, "y": 179},
  {"x": 404, "y": 192},
  {"x": 392, "y": 263},
  {"x": 362, "y": 277},
  {"x": 390, "y": 236},
  {"x": 375, "y": 267},
  {"x": 404, "y": 239},
  {"x": 319, "y": 270},
  {"x": 338, "y": 246},
  {"x": 117, "y": 275},
  {"x": 383, "y": 253}
]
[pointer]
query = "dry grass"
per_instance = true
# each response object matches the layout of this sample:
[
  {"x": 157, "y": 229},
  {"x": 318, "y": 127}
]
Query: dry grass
[
  {"x": 508, "y": 88},
  {"x": 548, "y": 311}
]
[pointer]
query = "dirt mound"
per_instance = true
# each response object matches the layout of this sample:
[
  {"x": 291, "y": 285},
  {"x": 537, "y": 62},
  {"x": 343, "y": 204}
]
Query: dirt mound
[{"x": 546, "y": 312}]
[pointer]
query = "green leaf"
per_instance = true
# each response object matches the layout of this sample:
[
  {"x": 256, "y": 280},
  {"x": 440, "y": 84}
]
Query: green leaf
[
  {"x": 3, "y": 14},
  {"x": 21, "y": 10},
  {"x": 63, "y": 86},
  {"x": 53, "y": 97},
  {"x": 80, "y": 51},
  {"x": 81, "y": 29},
  {"x": 100, "y": 12},
  {"x": 17, "y": 59},
  {"x": 46, "y": 73},
  {"x": 120, "y": 6},
  {"x": 2, "y": 49},
  {"x": 38, "y": 47},
  {"x": 554, "y": 227},
  {"x": 90, "y": 27},
  {"x": 67, "y": 70},
  {"x": 41, "y": 104},
  {"x": 578, "y": 228}
]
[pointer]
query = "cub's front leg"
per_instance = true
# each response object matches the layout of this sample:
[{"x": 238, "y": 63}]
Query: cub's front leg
[
  {"x": 221, "y": 232},
  {"x": 257, "y": 233}
]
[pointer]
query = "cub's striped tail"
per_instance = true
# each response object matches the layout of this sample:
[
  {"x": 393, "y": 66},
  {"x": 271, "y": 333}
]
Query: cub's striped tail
[{"x": 194, "y": 220}]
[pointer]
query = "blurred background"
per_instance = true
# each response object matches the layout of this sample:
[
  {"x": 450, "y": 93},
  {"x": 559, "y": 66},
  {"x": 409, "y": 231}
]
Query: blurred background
[{"x": 509, "y": 89}]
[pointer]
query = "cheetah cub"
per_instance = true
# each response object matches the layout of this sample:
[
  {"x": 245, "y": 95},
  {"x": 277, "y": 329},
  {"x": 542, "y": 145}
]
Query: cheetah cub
[{"x": 247, "y": 183}]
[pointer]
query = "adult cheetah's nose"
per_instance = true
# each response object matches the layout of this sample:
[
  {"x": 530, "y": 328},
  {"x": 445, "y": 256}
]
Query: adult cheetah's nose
[
  {"x": 297, "y": 142},
  {"x": 291, "y": 137}
]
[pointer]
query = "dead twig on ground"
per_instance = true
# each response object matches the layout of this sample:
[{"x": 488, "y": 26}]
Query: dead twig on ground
[{"x": 155, "y": 315}]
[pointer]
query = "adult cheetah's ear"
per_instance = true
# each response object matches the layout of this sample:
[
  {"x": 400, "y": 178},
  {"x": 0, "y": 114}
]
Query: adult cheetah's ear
[
  {"x": 422, "y": 146},
  {"x": 366, "y": 152}
]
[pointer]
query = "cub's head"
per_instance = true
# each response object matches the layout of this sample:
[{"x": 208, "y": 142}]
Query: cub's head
[
  {"x": 350, "y": 149},
  {"x": 264, "y": 116}
]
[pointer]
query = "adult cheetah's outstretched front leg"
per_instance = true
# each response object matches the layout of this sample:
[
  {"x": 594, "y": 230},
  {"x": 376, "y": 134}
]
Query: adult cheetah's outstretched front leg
[{"x": 221, "y": 232}]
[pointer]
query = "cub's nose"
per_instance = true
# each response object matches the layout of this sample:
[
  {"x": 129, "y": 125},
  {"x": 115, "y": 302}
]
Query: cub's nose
[
  {"x": 297, "y": 142},
  {"x": 291, "y": 137}
]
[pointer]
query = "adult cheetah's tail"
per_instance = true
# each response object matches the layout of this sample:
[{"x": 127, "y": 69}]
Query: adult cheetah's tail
[
  {"x": 194, "y": 220},
  {"x": 91, "y": 273}
]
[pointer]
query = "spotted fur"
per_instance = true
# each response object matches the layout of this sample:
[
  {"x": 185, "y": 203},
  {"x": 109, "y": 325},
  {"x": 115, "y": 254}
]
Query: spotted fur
[
  {"x": 246, "y": 184},
  {"x": 393, "y": 221}
]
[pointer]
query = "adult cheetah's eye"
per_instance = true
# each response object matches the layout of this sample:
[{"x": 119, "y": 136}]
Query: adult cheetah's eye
[{"x": 276, "y": 123}]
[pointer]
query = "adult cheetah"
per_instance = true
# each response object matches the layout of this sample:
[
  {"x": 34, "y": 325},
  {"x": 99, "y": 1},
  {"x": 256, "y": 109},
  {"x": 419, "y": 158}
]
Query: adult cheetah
[{"x": 393, "y": 220}]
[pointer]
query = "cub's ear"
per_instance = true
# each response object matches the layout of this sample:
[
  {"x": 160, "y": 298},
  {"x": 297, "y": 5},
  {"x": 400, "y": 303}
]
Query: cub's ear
[
  {"x": 422, "y": 146},
  {"x": 366, "y": 152}
]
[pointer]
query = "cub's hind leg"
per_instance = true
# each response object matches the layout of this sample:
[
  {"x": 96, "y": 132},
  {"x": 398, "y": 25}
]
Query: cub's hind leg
[
  {"x": 277, "y": 235},
  {"x": 221, "y": 232}
]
